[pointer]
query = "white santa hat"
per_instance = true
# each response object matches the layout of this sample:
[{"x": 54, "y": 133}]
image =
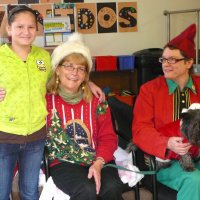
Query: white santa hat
[{"x": 74, "y": 44}]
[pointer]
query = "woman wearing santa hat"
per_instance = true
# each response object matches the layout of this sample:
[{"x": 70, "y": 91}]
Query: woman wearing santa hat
[
  {"x": 80, "y": 134},
  {"x": 160, "y": 102}
]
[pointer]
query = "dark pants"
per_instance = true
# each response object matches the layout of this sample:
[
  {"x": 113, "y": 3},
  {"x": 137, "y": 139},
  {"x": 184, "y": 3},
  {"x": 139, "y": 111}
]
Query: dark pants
[{"x": 72, "y": 180}]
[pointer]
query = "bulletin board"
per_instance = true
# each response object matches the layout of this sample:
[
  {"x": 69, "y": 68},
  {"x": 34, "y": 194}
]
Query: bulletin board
[{"x": 86, "y": 18}]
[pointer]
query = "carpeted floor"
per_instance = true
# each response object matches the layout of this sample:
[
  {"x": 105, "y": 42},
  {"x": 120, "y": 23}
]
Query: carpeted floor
[{"x": 144, "y": 195}]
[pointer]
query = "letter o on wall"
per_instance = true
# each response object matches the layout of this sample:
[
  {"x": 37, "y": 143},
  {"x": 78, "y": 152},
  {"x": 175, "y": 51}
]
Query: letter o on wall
[{"x": 106, "y": 17}]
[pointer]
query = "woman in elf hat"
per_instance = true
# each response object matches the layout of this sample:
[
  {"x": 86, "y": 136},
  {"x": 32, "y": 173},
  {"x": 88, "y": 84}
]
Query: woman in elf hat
[
  {"x": 80, "y": 134},
  {"x": 160, "y": 102},
  {"x": 24, "y": 70}
]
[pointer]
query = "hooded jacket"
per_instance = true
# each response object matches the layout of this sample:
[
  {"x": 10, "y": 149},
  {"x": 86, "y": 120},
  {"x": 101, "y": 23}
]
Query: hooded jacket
[{"x": 23, "y": 110}]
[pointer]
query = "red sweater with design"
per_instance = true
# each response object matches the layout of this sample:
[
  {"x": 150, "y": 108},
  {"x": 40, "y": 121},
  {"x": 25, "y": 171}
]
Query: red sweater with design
[{"x": 97, "y": 127}]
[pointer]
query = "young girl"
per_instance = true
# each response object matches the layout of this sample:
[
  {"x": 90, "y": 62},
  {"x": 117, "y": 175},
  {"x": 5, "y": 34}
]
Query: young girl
[{"x": 24, "y": 71}]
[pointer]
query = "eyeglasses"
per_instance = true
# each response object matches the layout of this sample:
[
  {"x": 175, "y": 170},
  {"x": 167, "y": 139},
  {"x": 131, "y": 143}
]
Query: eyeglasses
[
  {"x": 170, "y": 60},
  {"x": 71, "y": 67}
]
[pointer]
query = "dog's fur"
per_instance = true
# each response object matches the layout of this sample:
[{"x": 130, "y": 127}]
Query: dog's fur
[{"x": 190, "y": 129}]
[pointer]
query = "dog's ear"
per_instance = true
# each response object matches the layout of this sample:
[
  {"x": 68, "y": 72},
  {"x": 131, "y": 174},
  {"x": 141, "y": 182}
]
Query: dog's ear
[
  {"x": 185, "y": 116},
  {"x": 185, "y": 121},
  {"x": 190, "y": 115},
  {"x": 190, "y": 126}
]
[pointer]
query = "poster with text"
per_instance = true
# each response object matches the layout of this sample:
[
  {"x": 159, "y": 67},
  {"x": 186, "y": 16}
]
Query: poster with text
[
  {"x": 27, "y": 1},
  {"x": 42, "y": 11},
  {"x": 50, "y": 1},
  {"x": 9, "y": 1},
  {"x": 127, "y": 17},
  {"x": 65, "y": 9},
  {"x": 2, "y": 13},
  {"x": 3, "y": 21},
  {"x": 106, "y": 17},
  {"x": 73, "y": 1},
  {"x": 56, "y": 30},
  {"x": 86, "y": 18}
]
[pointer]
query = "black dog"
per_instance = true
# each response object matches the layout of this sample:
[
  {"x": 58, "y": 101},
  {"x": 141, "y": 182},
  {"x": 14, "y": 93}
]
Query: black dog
[{"x": 190, "y": 129}]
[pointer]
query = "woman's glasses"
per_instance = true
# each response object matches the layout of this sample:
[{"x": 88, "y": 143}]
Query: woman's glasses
[
  {"x": 170, "y": 60},
  {"x": 71, "y": 67}
]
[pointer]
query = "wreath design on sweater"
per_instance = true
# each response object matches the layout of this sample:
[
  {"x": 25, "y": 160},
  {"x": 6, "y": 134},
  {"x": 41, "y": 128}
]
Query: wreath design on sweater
[{"x": 70, "y": 144}]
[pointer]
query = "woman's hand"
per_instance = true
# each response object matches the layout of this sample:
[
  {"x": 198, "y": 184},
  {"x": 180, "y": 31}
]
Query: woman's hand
[
  {"x": 176, "y": 145},
  {"x": 95, "y": 171},
  {"x": 97, "y": 91},
  {"x": 2, "y": 94}
]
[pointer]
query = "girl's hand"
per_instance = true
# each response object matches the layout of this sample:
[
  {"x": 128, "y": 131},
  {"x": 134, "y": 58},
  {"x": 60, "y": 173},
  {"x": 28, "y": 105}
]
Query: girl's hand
[{"x": 97, "y": 91}]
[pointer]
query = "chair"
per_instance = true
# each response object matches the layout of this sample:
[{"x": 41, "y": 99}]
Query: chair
[
  {"x": 122, "y": 114},
  {"x": 122, "y": 119},
  {"x": 46, "y": 163},
  {"x": 122, "y": 127},
  {"x": 148, "y": 68},
  {"x": 159, "y": 191}
]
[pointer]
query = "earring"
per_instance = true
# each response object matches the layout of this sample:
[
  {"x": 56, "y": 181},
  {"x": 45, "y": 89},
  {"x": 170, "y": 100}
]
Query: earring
[
  {"x": 83, "y": 87},
  {"x": 57, "y": 80}
]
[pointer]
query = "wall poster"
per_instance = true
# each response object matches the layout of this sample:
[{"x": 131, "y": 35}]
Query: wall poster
[
  {"x": 65, "y": 9},
  {"x": 28, "y": 1},
  {"x": 127, "y": 17},
  {"x": 73, "y": 1},
  {"x": 56, "y": 30},
  {"x": 106, "y": 16},
  {"x": 86, "y": 18},
  {"x": 42, "y": 13}
]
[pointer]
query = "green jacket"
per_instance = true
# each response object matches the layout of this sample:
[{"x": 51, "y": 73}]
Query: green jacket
[{"x": 23, "y": 110}]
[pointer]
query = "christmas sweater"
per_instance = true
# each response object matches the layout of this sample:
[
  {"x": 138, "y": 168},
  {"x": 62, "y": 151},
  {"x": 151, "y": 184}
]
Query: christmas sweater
[{"x": 79, "y": 132}]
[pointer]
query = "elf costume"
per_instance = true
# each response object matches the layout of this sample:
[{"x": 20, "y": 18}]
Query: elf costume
[{"x": 160, "y": 102}]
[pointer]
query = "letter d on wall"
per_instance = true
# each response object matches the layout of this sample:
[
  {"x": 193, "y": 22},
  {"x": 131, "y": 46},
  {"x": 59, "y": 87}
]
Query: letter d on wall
[{"x": 85, "y": 18}]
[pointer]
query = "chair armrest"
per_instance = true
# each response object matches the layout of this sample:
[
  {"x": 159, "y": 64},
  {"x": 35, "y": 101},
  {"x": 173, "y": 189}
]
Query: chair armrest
[
  {"x": 146, "y": 162},
  {"x": 46, "y": 163}
]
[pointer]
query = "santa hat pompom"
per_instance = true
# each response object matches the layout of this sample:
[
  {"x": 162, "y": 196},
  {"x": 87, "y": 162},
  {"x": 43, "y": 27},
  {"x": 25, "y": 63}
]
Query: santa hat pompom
[{"x": 76, "y": 37}]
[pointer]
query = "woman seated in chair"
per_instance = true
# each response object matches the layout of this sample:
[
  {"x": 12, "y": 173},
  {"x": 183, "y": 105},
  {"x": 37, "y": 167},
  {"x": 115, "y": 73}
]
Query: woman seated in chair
[
  {"x": 160, "y": 102},
  {"x": 80, "y": 134}
]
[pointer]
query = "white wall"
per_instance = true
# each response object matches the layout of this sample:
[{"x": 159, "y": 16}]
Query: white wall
[{"x": 151, "y": 27}]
